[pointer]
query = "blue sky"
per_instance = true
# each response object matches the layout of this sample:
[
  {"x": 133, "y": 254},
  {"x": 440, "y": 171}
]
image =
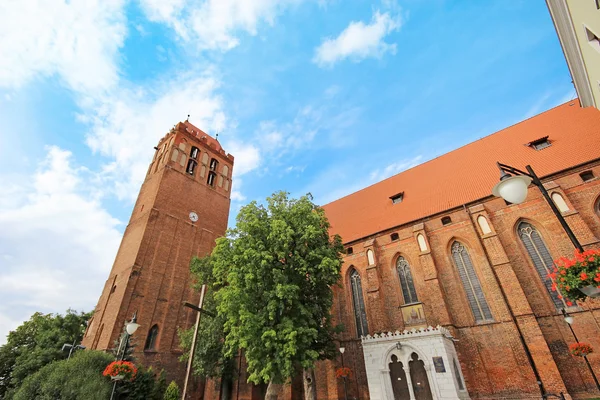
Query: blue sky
[{"x": 320, "y": 96}]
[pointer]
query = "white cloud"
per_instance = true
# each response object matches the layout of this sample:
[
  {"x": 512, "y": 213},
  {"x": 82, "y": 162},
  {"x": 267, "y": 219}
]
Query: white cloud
[
  {"x": 76, "y": 40},
  {"x": 214, "y": 24},
  {"x": 247, "y": 157},
  {"x": 126, "y": 124},
  {"x": 359, "y": 41},
  {"x": 57, "y": 243},
  {"x": 320, "y": 124},
  {"x": 394, "y": 168}
]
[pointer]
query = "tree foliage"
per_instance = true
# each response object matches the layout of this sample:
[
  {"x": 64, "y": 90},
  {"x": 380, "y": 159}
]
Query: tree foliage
[
  {"x": 274, "y": 274},
  {"x": 80, "y": 377},
  {"x": 147, "y": 385},
  {"x": 36, "y": 343},
  {"x": 210, "y": 360},
  {"x": 172, "y": 392}
]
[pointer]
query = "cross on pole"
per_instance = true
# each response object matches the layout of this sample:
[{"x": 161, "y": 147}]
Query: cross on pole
[{"x": 200, "y": 311}]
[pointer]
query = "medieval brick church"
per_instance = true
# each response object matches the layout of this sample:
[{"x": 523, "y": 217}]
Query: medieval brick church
[{"x": 445, "y": 289}]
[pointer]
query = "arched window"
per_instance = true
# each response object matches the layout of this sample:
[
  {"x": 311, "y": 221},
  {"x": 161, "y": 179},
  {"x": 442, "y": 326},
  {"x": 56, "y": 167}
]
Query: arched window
[
  {"x": 360, "y": 315},
  {"x": 484, "y": 225},
  {"x": 422, "y": 243},
  {"x": 470, "y": 281},
  {"x": 370, "y": 257},
  {"x": 540, "y": 256},
  {"x": 225, "y": 170},
  {"x": 151, "y": 339},
  {"x": 561, "y": 204},
  {"x": 406, "y": 281}
]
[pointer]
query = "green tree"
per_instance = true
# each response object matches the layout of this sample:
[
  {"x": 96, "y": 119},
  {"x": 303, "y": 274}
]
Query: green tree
[
  {"x": 36, "y": 343},
  {"x": 146, "y": 386},
  {"x": 77, "y": 378},
  {"x": 274, "y": 274},
  {"x": 172, "y": 392}
]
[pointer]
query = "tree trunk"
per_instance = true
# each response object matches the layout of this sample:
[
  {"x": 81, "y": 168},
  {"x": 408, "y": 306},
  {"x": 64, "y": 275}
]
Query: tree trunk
[
  {"x": 273, "y": 390},
  {"x": 310, "y": 384}
]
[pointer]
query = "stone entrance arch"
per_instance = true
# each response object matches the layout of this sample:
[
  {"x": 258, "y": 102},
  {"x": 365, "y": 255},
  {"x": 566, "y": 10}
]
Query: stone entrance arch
[{"x": 401, "y": 362}]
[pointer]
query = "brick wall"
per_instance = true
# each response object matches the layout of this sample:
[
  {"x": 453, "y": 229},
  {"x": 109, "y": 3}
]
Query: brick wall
[
  {"x": 151, "y": 275},
  {"x": 492, "y": 356}
]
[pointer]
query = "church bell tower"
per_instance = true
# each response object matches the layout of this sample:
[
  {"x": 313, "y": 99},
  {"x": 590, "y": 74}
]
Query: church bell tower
[{"x": 182, "y": 207}]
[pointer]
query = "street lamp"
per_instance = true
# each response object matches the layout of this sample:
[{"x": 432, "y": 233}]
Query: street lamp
[
  {"x": 130, "y": 329},
  {"x": 569, "y": 320},
  {"x": 72, "y": 348},
  {"x": 342, "y": 350},
  {"x": 513, "y": 188}
]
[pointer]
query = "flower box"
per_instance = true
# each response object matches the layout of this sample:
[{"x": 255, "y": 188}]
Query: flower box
[
  {"x": 581, "y": 349},
  {"x": 577, "y": 278},
  {"x": 344, "y": 372},
  {"x": 120, "y": 370}
]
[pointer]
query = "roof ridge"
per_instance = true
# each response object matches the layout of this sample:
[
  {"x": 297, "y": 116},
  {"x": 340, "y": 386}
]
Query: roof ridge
[{"x": 450, "y": 151}]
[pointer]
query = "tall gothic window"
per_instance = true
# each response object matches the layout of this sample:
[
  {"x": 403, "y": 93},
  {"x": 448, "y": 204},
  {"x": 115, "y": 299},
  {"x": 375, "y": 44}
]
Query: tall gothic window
[
  {"x": 540, "y": 256},
  {"x": 360, "y": 315},
  {"x": 406, "y": 281},
  {"x": 151, "y": 339},
  {"x": 470, "y": 281}
]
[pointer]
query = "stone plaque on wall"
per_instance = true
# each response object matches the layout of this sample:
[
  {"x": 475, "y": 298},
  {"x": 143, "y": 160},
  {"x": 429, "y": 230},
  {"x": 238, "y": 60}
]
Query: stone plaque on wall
[
  {"x": 413, "y": 315},
  {"x": 438, "y": 363}
]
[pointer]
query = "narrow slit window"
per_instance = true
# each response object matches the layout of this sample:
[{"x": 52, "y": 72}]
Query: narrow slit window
[
  {"x": 560, "y": 202},
  {"x": 211, "y": 178},
  {"x": 213, "y": 164},
  {"x": 370, "y": 257},
  {"x": 484, "y": 225},
  {"x": 422, "y": 243},
  {"x": 194, "y": 153},
  {"x": 191, "y": 167},
  {"x": 151, "y": 339}
]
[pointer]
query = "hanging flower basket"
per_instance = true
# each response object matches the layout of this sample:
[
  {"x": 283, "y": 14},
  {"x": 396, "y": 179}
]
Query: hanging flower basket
[
  {"x": 120, "y": 370},
  {"x": 344, "y": 372},
  {"x": 581, "y": 349},
  {"x": 577, "y": 278}
]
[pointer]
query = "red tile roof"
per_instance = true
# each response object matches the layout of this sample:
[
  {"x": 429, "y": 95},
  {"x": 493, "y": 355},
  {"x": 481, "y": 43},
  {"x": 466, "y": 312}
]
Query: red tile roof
[{"x": 469, "y": 173}]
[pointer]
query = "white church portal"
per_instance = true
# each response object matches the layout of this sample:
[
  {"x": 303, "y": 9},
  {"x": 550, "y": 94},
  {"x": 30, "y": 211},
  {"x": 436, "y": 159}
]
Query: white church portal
[{"x": 420, "y": 364}]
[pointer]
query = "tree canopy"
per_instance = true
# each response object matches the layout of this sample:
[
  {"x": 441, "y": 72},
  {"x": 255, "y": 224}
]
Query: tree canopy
[
  {"x": 274, "y": 274},
  {"x": 36, "y": 343},
  {"x": 80, "y": 377}
]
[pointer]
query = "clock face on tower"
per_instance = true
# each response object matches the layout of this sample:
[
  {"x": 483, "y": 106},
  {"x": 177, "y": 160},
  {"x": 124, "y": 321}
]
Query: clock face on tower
[{"x": 193, "y": 217}]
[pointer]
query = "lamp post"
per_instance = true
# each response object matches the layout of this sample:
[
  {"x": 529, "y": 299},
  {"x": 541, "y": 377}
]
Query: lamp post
[
  {"x": 342, "y": 350},
  {"x": 72, "y": 348},
  {"x": 130, "y": 329},
  {"x": 513, "y": 188},
  {"x": 569, "y": 320}
]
